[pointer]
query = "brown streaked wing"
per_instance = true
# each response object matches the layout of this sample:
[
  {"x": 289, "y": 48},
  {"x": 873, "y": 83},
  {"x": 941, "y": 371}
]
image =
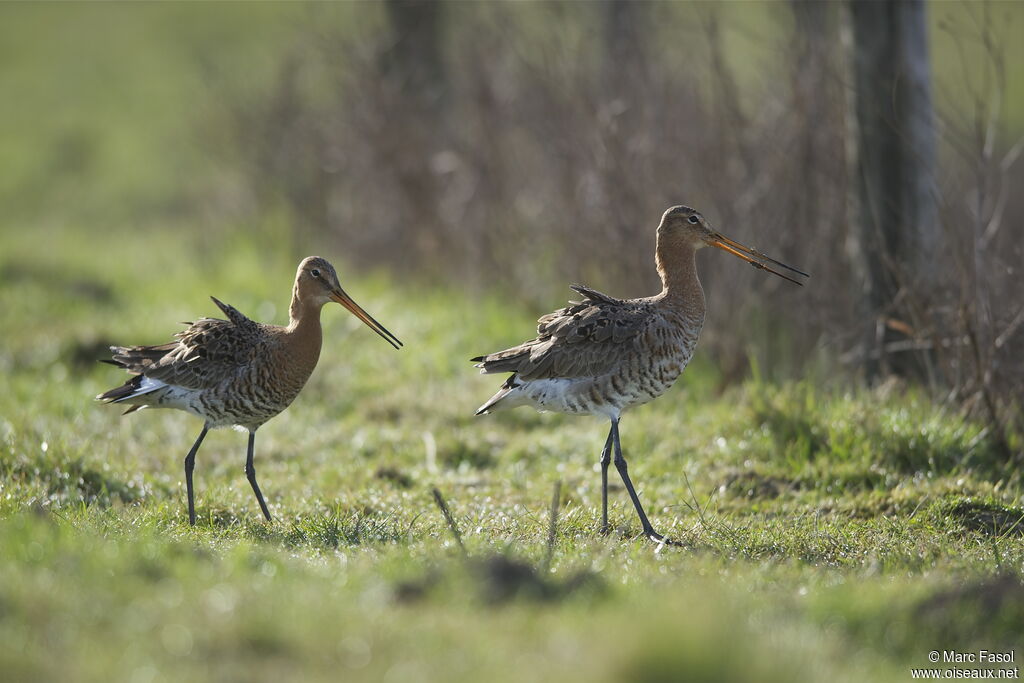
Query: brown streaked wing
[
  {"x": 207, "y": 352},
  {"x": 584, "y": 339}
]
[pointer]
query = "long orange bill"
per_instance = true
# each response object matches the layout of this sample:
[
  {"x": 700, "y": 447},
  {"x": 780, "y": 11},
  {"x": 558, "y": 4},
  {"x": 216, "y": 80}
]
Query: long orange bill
[
  {"x": 345, "y": 300},
  {"x": 753, "y": 257}
]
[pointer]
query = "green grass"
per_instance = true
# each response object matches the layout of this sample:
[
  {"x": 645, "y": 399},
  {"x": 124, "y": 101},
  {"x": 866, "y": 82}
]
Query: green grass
[
  {"x": 830, "y": 535},
  {"x": 104, "y": 101}
]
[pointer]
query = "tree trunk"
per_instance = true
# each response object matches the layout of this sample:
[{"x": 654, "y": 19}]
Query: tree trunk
[
  {"x": 413, "y": 71},
  {"x": 415, "y": 57},
  {"x": 895, "y": 157}
]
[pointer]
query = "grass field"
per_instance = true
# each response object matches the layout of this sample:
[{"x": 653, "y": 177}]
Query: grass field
[{"x": 830, "y": 533}]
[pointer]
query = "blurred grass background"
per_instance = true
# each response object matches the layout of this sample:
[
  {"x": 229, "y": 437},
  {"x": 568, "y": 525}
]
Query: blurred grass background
[
  {"x": 155, "y": 154},
  {"x": 531, "y": 154}
]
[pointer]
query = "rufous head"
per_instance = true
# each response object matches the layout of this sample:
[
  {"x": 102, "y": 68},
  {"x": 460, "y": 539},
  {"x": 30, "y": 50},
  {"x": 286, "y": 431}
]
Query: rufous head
[
  {"x": 316, "y": 283},
  {"x": 681, "y": 225}
]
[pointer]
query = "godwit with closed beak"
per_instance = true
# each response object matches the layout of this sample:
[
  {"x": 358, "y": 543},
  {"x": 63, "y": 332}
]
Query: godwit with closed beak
[
  {"x": 236, "y": 372},
  {"x": 602, "y": 356}
]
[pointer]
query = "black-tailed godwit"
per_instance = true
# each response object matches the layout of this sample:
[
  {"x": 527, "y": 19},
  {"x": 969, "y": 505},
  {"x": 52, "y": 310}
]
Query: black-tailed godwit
[
  {"x": 236, "y": 372},
  {"x": 602, "y": 356}
]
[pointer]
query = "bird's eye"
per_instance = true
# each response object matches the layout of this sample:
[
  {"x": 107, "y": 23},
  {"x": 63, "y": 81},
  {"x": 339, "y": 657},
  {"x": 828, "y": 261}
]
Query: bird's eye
[
  {"x": 694, "y": 219},
  {"x": 315, "y": 272}
]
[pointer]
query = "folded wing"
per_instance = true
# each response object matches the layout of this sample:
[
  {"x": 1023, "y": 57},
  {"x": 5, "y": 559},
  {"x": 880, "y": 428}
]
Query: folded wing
[
  {"x": 585, "y": 339},
  {"x": 209, "y": 351}
]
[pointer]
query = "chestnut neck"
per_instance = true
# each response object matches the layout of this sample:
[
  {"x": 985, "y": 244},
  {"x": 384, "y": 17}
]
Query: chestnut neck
[
  {"x": 677, "y": 267},
  {"x": 304, "y": 317},
  {"x": 303, "y": 337}
]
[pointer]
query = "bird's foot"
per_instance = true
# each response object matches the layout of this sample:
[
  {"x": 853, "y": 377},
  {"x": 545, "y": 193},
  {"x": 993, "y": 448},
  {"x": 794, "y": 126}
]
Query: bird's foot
[
  {"x": 607, "y": 530},
  {"x": 662, "y": 540}
]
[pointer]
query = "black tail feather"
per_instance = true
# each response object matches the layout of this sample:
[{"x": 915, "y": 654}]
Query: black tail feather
[{"x": 121, "y": 392}]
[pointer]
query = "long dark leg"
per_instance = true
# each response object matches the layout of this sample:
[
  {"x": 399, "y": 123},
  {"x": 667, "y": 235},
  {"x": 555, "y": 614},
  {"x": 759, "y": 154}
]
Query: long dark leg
[
  {"x": 606, "y": 459},
  {"x": 620, "y": 465},
  {"x": 250, "y": 473},
  {"x": 190, "y": 464}
]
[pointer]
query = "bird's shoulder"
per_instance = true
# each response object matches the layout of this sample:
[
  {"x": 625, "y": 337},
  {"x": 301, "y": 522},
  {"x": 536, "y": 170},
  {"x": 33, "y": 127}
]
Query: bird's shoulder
[
  {"x": 584, "y": 339},
  {"x": 210, "y": 350},
  {"x": 598, "y": 318}
]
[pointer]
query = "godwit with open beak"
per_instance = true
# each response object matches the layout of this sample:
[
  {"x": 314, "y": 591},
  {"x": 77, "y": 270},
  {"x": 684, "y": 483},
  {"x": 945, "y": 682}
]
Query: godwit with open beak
[
  {"x": 602, "y": 356},
  {"x": 236, "y": 372}
]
